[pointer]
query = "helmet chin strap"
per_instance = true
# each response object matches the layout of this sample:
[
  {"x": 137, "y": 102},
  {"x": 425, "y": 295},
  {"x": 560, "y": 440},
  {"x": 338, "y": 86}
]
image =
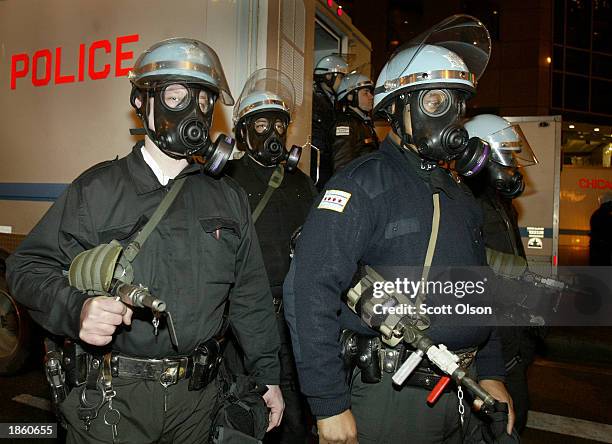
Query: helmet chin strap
[
  {"x": 328, "y": 90},
  {"x": 361, "y": 113},
  {"x": 397, "y": 122}
]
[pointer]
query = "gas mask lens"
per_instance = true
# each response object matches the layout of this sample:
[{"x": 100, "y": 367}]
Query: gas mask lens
[
  {"x": 176, "y": 97},
  {"x": 280, "y": 127},
  {"x": 205, "y": 101},
  {"x": 435, "y": 102},
  {"x": 261, "y": 125}
]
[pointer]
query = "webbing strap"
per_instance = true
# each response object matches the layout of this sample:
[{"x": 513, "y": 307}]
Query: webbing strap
[
  {"x": 275, "y": 180},
  {"x": 431, "y": 247},
  {"x": 132, "y": 250}
]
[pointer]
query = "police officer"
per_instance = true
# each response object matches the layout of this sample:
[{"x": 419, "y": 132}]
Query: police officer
[
  {"x": 495, "y": 188},
  {"x": 136, "y": 382},
  {"x": 501, "y": 180},
  {"x": 600, "y": 245},
  {"x": 280, "y": 196},
  {"x": 328, "y": 73},
  {"x": 378, "y": 212},
  {"x": 353, "y": 134}
]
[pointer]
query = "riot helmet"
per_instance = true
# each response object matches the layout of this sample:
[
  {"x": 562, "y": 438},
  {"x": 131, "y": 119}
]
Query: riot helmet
[
  {"x": 510, "y": 151},
  {"x": 261, "y": 118},
  {"x": 349, "y": 91},
  {"x": 423, "y": 88},
  {"x": 184, "y": 77},
  {"x": 330, "y": 70}
]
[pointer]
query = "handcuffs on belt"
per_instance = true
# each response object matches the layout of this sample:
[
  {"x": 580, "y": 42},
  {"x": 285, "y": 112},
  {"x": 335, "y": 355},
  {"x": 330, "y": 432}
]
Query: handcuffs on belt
[
  {"x": 201, "y": 368},
  {"x": 99, "y": 384}
]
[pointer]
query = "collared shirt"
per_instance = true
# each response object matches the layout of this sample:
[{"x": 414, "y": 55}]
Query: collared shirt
[{"x": 162, "y": 177}]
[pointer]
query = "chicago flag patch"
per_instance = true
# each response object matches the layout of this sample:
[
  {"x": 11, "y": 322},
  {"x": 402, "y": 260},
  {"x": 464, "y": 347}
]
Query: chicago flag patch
[
  {"x": 343, "y": 130},
  {"x": 334, "y": 200}
]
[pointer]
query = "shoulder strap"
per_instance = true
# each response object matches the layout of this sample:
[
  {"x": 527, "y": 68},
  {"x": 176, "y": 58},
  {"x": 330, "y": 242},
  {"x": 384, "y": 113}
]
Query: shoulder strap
[
  {"x": 355, "y": 293},
  {"x": 431, "y": 246},
  {"x": 275, "y": 180},
  {"x": 134, "y": 247}
]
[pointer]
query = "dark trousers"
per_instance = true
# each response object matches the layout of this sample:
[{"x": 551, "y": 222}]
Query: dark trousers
[
  {"x": 294, "y": 426},
  {"x": 150, "y": 413},
  {"x": 388, "y": 415}
]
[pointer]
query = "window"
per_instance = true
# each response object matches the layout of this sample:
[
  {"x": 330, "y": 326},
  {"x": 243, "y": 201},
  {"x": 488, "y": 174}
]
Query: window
[{"x": 582, "y": 58}]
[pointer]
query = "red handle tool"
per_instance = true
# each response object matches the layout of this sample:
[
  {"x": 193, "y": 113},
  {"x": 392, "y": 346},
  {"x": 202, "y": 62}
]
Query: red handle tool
[{"x": 438, "y": 389}]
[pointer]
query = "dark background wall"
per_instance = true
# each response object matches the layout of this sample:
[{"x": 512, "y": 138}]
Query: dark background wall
[{"x": 517, "y": 80}]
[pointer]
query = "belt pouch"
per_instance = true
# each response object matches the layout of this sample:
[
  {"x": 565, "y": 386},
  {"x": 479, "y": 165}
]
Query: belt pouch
[
  {"x": 206, "y": 360},
  {"x": 368, "y": 359}
]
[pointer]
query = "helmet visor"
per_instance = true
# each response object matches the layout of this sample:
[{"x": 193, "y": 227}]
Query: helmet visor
[
  {"x": 352, "y": 82},
  {"x": 462, "y": 34},
  {"x": 181, "y": 60},
  {"x": 265, "y": 89},
  {"x": 509, "y": 147},
  {"x": 334, "y": 63}
]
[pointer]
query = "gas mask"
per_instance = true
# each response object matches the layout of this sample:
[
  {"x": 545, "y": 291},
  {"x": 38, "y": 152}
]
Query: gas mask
[
  {"x": 433, "y": 117},
  {"x": 508, "y": 181},
  {"x": 431, "y": 123},
  {"x": 182, "y": 116},
  {"x": 266, "y": 134}
]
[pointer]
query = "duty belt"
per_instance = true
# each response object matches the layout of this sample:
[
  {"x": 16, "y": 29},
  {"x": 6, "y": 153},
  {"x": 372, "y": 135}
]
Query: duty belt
[
  {"x": 373, "y": 358},
  {"x": 166, "y": 371},
  {"x": 425, "y": 375}
]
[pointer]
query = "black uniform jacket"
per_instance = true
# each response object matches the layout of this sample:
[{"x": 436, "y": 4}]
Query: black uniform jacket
[
  {"x": 385, "y": 221},
  {"x": 284, "y": 213},
  {"x": 501, "y": 233},
  {"x": 600, "y": 247},
  {"x": 203, "y": 251},
  {"x": 353, "y": 136},
  {"x": 500, "y": 228},
  {"x": 322, "y": 122},
  {"x": 322, "y": 117}
]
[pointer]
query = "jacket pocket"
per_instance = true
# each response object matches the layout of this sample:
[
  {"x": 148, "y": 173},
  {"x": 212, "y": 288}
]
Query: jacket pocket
[
  {"x": 402, "y": 227},
  {"x": 215, "y": 225},
  {"x": 219, "y": 247},
  {"x": 123, "y": 233}
]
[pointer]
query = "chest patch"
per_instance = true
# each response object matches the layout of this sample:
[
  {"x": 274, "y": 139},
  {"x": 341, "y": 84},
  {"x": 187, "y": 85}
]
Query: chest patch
[
  {"x": 334, "y": 200},
  {"x": 343, "y": 131}
]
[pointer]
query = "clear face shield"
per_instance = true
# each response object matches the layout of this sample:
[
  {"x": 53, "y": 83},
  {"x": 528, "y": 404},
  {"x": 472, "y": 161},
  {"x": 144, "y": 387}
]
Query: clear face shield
[
  {"x": 331, "y": 69},
  {"x": 265, "y": 89},
  {"x": 184, "y": 77},
  {"x": 357, "y": 88},
  {"x": 181, "y": 60},
  {"x": 437, "y": 71},
  {"x": 462, "y": 34},
  {"x": 262, "y": 115},
  {"x": 510, "y": 148}
]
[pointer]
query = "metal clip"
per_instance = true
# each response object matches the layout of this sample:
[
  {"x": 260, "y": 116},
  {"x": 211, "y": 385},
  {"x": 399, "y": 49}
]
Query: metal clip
[{"x": 87, "y": 410}]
